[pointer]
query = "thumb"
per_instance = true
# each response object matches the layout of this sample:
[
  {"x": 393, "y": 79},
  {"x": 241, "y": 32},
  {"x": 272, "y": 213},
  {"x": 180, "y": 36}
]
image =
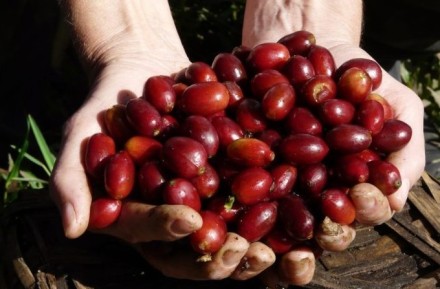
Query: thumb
[{"x": 70, "y": 190}]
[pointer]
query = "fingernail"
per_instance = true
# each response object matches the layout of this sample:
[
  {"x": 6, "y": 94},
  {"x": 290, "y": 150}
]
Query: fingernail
[
  {"x": 300, "y": 267},
  {"x": 69, "y": 220},
  {"x": 367, "y": 202}
]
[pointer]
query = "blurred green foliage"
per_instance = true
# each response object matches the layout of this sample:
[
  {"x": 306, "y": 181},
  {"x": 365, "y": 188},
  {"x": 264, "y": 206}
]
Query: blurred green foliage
[
  {"x": 208, "y": 27},
  {"x": 422, "y": 74}
]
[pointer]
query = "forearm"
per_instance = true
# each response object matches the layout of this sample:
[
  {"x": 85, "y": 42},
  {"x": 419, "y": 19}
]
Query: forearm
[
  {"x": 332, "y": 22},
  {"x": 107, "y": 30}
]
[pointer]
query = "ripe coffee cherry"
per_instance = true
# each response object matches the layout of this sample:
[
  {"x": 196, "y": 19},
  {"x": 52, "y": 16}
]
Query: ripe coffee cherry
[
  {"x": 278, "y": 101},
  {"x": 298, "y": 42},
  {"x": 119, "y": 175},
  {"x": 143, "y": 117},
  {"x": 227, "y": 130},
  {"x": 168, "y": 127},
  {"x": 312, "y": 180},
  {"x": 388, "y": 112},
  {"x": 241, "y": 52},
  {"x": 354, "y": 85},
  {"x": 302, "y": 120},
  {"x": 336, "y": 205},
  {"x": 351, "y": 169},
  {"x": 98, "y": 149},
  {"x": 348, "y": 138},
  {"x": 256, "y": 221},
  {"x": 368, "y": 155},
  {"x": 284, "y": 178},
  {"x": 201, "y": 129},
  {"x": 104, "y": 212},
  {"x": 252, "y": 185},
  {"x": 303, "y": 149},
  {"x": 179, "y": 88},
  {"x": 117, "y": 124},
  {"x": 271, "y": 137},
  {"x": 204, "y": 98},
  {"x": 159, "y": 92},
  {"x": 150, "y": 180},
  {"x": 334, "y": 112},
  {"x": 229, "y": 67},
  {"x": 250, "y": 116},
  {"x": 211, "y": 236},
  {"x": 142, "y": 148},
  {"x": 200, "y": 72},
  {"x": 267, "y": 56},
  {"x": 395, "y": 134},
  {"x": 279, "y": 241},
  {"x": 371, "y": 67},
  {"x": 184, "y": 156},
  {"x": 296, "y": 218},
  {"x": 206, "y": 183},
  {"x": 385, "y": 176},
  {"x": 226, "y": 207},
  {"x": 265, "y": 80},
  {"x": 298, "y": 70},
  {"x": 250, "y": 152},
  {"x": 318, "y": 89},
  {"x": 322, "y": 60},
  {"x": 235, "y": 94},
  {"x": 179, "y": 191},
  {"x": 370, "y": 115}
]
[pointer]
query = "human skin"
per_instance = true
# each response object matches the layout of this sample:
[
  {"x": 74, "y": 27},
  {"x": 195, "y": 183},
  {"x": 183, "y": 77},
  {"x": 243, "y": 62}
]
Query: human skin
[
  {"x": 337, "y": 25},
  {"x": 122, "y": 43}
]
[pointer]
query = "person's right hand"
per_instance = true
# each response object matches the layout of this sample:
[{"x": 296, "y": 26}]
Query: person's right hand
[
  {"x": 139, "y": 224},
  {"x": 125, "y": 42}
]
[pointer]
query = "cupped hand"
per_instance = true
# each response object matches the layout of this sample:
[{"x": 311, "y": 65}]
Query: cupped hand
[
  {"x": 372, "y": 206},
  {"x": 143, "y": 225},
  {"x": 408, "y": 108}
]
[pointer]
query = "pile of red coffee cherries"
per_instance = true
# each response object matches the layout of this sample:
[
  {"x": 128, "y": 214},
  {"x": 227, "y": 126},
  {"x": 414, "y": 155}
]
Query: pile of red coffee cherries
[{"x": 265, "y": 142}]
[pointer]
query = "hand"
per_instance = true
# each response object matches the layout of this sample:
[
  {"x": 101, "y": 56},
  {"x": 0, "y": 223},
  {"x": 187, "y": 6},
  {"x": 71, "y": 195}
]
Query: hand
[
  {"x": 268, "y": 23},
  {"x": 139, "y": 223},
  {"x": 408, "y": 108}
]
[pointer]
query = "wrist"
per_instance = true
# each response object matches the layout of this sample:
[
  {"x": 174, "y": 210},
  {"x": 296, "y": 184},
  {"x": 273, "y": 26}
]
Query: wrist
[
  {"x": 333, "y": 23},
  {"x": 124, "y": 32}
]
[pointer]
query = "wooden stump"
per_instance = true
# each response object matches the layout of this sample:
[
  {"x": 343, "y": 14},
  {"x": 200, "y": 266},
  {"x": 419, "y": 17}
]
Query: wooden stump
[{"x": 403, "y": 253}]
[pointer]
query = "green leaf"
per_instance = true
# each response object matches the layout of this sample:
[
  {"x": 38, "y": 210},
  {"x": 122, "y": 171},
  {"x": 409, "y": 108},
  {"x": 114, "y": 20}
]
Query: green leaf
[
  {"x": 229, "y": 203},
  {"x": 32, "y": 180},
  {"x": 34, "y": 160},
  {"x": 48, "y": 156},
  {"x": 14, "y": 172}
]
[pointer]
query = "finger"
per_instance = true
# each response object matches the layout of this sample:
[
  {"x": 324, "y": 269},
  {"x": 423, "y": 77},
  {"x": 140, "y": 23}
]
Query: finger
[
  {"x": 334, "y": 237},
  {"x": 258, "y": 258},
  {"x": 70, "y": 190},
  {"x": 410, "y": 163},
  {"x": 184, "y": 263},
  {"x": 296, "y": 268},
  {"x": 140, "y": 222},
  {"x": 372, "y": 207}
]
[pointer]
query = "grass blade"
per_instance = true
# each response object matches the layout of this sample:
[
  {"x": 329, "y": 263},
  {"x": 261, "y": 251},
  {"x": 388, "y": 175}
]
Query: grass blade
[
  {"x": 34, "y": 160},
  {"x": 15, "y": 170},
  {"x": 48, "y": 156}
]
